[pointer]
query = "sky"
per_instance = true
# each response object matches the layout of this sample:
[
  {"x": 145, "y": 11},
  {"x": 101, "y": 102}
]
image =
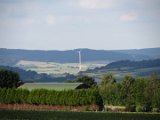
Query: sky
[{"x": 72, "y": 24}]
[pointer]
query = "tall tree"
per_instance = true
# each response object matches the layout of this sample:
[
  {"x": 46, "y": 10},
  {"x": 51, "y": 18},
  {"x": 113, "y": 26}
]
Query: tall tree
[
  {"x": 109, "y": 90},
  {"x": 127, "y": 90},
  {"x": 138, "y": 91},
  {"x": 152, "y": 91},
  {"x": 108, "y": 78},
  {"x": 86, "y": 80},
  {"x": 9, "y": 79}
]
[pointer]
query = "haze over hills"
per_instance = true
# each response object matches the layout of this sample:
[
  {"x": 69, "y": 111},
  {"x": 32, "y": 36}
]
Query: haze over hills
[
  {"x": 119, "y": 69},
  {"x": 12, "y": 56},
  {"x": 58, "y": 65}
]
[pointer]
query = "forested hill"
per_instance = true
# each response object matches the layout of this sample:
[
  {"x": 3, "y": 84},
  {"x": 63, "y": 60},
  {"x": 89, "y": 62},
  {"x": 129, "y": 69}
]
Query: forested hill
[
  {"x": 135, "y": 64},
  {"x": 142, "y": 68},
  {"x": 12, "y": 56},
  {"x": 131, "y": 64}
]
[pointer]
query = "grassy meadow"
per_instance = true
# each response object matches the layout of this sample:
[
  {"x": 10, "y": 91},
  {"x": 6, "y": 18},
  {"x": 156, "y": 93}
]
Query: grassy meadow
[
  {"x": 55, "y": 115},
  {"x": 50, "y": 86}
]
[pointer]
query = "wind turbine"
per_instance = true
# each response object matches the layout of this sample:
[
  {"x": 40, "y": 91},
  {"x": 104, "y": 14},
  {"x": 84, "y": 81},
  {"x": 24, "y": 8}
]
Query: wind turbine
[{"x": 80, "y": 60}]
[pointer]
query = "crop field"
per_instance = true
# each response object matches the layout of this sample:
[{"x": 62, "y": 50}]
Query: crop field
[
  {"x": 55, "y": 68},
  {"x": 53, "y": 115}
]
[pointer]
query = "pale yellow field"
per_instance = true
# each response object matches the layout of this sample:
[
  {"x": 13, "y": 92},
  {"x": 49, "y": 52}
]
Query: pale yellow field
[{"x": 55, "y": 68}]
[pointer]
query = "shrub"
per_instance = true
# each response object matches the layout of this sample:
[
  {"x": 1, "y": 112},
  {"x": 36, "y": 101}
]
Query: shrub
[{"x": 139, "y": 108}]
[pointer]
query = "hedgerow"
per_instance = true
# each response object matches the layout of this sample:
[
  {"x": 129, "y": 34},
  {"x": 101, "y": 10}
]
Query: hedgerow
[{"x": 50, "y": 97}]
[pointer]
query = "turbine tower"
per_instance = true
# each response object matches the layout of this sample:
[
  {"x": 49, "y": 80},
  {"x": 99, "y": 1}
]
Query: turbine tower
[{"x": 80, "y": 60}]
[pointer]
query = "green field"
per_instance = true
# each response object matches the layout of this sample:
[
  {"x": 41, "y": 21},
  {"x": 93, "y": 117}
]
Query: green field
[
  {"x": 55, "y": 68},
  {"x": 50, "y": 86},
  {"x": 53, "y": 115}
]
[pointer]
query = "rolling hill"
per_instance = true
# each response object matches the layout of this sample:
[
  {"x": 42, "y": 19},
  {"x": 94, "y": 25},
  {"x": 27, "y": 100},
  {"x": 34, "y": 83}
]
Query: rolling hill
[
  {"x": 119, "y": 69},
  {"x": 11, "y": 56},
  {"x": 126, "y": 67}
]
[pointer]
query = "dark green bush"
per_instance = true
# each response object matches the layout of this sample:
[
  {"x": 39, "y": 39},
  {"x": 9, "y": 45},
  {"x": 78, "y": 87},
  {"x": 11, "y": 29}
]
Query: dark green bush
[{"x": 9, "y": 79}]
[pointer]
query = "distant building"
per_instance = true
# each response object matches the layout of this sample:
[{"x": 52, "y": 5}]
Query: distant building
[{"x": 54, "y": 86}]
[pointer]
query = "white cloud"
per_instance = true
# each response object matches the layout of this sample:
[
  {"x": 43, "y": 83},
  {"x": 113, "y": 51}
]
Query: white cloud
[
  {"x": 51, "y": 20},
  {"x": 129, "y": 17},
  {"x": 95, "y": 4}
]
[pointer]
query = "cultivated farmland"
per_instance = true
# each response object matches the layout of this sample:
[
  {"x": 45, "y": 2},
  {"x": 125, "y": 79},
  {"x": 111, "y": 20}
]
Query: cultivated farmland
[{"x": 55, "y": 68}]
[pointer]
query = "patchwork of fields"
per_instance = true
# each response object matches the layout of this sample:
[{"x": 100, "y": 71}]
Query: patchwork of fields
[
  {"x": 53, "y": 115},
  {"x": 55, "y": 68},
  {"x": 59, "y": 69}
]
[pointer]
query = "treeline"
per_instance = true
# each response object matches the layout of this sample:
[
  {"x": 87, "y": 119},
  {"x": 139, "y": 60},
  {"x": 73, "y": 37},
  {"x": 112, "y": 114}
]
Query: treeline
[
  {"x": 130, "y": 64},
  {"x": 50, "y": 97},
  {"x": 134, "y": 64},
  {"x": 141, "y": 94}
]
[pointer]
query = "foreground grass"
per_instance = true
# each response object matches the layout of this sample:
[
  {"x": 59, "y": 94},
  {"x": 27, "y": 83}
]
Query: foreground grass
[{"x": 52, "y": 115}]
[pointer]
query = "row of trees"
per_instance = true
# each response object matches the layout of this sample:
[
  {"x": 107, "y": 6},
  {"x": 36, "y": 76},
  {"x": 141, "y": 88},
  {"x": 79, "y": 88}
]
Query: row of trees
[
  {"x": 141, "y": 94},
  {"x": 51, "y": 97},
  {"x": 137, "y": 94}
]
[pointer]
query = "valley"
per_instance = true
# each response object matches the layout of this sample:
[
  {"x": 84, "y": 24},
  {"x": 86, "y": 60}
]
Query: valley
[{"x": 58, "y": 66}]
